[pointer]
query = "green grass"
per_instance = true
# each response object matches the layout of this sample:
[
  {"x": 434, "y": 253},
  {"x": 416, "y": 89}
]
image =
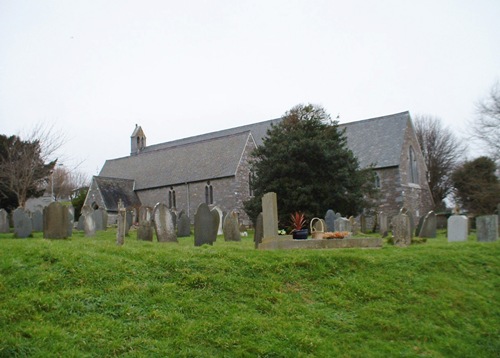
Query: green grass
[{"x": 88, "y": 297}]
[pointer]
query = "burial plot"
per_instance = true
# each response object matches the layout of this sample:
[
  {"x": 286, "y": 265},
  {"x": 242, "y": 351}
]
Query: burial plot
[
  {"x": 37, "y": 220},
  {"x": 259, "y": 230},
  {"x": 401, "y": 230},
  {"x": 183, "y": 225},
  {"x": 457, "y": 228},
  {"x": 23, "y": 226},
  {"x": 205, "y": 225},
  {"x": 429, "y": 225},
  {"x": 164, "y": 223},
  {"x": 4, "y": 221},
  {"x": 487, "y": 228},
  {"x": 55, "y": 221},
  {"x": 145, "y": 229},
  {"x": 231, "y": 227},
  {"x": 330, "y": 220}
]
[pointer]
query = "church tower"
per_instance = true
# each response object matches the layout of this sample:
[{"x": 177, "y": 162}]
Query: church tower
[{"x": 137, "y": 141}]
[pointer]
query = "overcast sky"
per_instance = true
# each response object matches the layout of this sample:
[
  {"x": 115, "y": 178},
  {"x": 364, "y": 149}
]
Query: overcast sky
[{"x": 180, "y": 68}]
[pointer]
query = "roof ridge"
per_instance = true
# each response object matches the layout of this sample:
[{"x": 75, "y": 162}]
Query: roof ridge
[{"x": 377, "y": 118}]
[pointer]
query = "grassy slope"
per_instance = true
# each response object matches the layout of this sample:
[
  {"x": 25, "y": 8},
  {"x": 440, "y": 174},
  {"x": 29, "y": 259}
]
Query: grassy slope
[{"x": 88, "y": 297}]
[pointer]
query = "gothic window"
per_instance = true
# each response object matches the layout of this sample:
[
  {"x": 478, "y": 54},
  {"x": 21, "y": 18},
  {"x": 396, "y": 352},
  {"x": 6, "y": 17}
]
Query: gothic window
[
  {"x": 413, "y": 166},
  {"x": 377, "y": 180},
  {"x": 171, "y": 198},
  {"x": 209, "y": 193}
]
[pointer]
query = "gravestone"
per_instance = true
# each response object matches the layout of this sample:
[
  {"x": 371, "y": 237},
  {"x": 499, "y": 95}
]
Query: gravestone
[
  {"x": 487, "y": 228},
  {"x": 383, "y": 223},
  {"x": 342, "y": 224},
  {"x": 121, "y": 221},
  {"x": 231, "y": 227},
  {"x": 354, "y": 225},
  {"x": 429, "y": 225},
  {"x": 183, "y": 225},
  {"x": 23, "y": 226},
  {"x": 164, "y": 223},
  {"x": 330, "y": 220},
  {"x": 55, "y": 221},
  {"x": 145, "y": 229},
  {"x": 259, "y": 230},
  {"x": 71, "y": 220},
  {"x": 270, "y": 215},
  {"x": 80, "y": 224},
  {"x": 4, "y": 221},
  {"x": 100, "y": 219},
  {"x": 401, "y": 230},
  {"x": 37, "y": 220},
  {"x": 457, "y": 228},
  {"x": 220, "y": 230},
  {"x": 205, "y": 225},
  {"x": 362, "y": 223},
  {"x": 129, "y": 215},
  {"x": 88, "y": 221},
  {"x": 217, "y": 221},
  {"x": 419, "y": 225}
]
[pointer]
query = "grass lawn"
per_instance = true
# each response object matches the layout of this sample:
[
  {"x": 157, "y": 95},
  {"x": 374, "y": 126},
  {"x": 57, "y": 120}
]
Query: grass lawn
[{"x": 89, "y": 297}]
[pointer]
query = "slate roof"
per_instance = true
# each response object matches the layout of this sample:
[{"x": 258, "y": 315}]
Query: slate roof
[{"x": 113, "y": 189}]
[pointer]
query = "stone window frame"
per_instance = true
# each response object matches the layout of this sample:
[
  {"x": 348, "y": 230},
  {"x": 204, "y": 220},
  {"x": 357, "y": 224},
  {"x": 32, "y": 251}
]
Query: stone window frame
[
  {"x": 209, "y": 193},
  {"x": 172, "y": 202},
  {"x": 377, "y": 181},
  {"x": 412, "y": 166}
]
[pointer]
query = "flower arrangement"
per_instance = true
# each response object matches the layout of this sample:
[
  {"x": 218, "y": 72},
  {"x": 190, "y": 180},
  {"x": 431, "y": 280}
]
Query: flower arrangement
[
  {"x": 336, "y": 234},
  {"x": 298, "y": 221}
]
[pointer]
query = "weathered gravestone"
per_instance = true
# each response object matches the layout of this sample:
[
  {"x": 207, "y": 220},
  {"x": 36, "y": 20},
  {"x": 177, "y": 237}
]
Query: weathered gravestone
[
  {"x": 383, "y": 223},
  {"x": 336, "y": 222},
  {"x": 145, "y": 229},
  {"x": 401, "y": 230},
  {"x": 88, "y": 221},
  {"x": 330, "y": 220},
  {"x": 37, "y": 220},
  {"x": 342, "y": 224},
  {"x": 429, "y": 225},
  {"x": 183, "y": 225},
  {"x": 4, "y": 221},
  {"x": 23, "y": 226},
  {"x": 121, "y": 221},
  {"x": 354, "y": 225},
  {"x": 100, "y": 219},
  {"x": 81, "y": 221},
  {"x": 71, "y": 220},
  {"x": 457, "y": 228},
  {"x": 220, "y": 229},
  {"x": 362, "y": 223},
  {"x": 259, "y": 230},
  {"x": 270, "y": 215},
  {"x": 205, "y": 225},
  {"x": 164, "y": 223},
  {"x": 217, "y": 221},
  {"x": 231, "y": 227},
  {"x": 55, "y": 221},
  {"x": 487, "y": 228},
  {"x": 129, "y": 217}
]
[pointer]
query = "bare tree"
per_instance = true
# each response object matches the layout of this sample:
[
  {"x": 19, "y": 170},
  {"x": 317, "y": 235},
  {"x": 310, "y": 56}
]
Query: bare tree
[
  {"x": 486, "y": 126},
  {"x": 63, "y": 181},
  {"x": 442, "y": 151}
]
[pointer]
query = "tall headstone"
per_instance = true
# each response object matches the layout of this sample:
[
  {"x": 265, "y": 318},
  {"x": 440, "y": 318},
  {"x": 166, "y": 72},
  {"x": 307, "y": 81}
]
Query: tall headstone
[
  {"x": 231, "y": 227},
  {"x": 429, "y": 225},
  {"x": 216, "y": 223},
  {"x": 354, "y": 225},
  {"x": 4, "y": 221},
  {"x": 401, "y": 230},
  {"x": 183, "y": 225},
  {"x": 457, "y": 228},
  {"x": 129, "y": 214},
  {"x": 487, "y": 228},
  {"x": 23, "y": 226},
  {"x": 330, "y": 220},
  {"x": 37, "y": 219},
  {"x": 205, "y": 225},
  {"x": 55, "y": 221},
  {"x": 101, "y": 219},
  {"x": 71, "y": 220},
  {"x": 88, "y": 221},
  {"x": 121, "y": 221},
  {"x": 270, "y": 215},
  {"x": 259, "y": 230},
  {"x": 362, "y": 223},
  {"x": 220, "y": 230},
  {"x": 145, "y": 229},
  {"x": 164, "y": 223},
  {"x": 383, "y": 224}
]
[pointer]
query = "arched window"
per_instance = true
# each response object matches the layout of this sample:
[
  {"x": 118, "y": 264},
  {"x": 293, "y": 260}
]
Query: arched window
[
  {"x": 209, "y": 193},
  {"x": 413, "y": 177},
  {"x": 377, "y": 181},
  {"x": 250, "y": 183},
  {"x": 171, "y": 198}
]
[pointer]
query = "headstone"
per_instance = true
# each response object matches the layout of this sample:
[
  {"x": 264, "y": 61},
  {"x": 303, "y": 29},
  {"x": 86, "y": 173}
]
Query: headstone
[
  {"x": 419, "y": 225},
  {"x": 330, "y": 220},
  {"x": 220, "y": 230},
  {"x": 401, "y": 230},
  {"x": 145, "y": 229},
  {"x": 183, "y": 225},
  {"x": 487, "y": 228},
  {"x": 71, "y": 220},
  {"x": 354, "y": 225},
  {"x": 216, "y": 223},
  {"x": 383, "y": 223},
  {"x": 81, "y": 221},
  {"x": 336, "y": 223},
  {"x": 23, "y": 226},
  {"x": 101, "y": 219},
  {"x": 129, "y": 214},
  {"x": 343, "y": 224},
  {"x": 205, "y": 225},
  {"x": 37, "y": 219},
  {"x": 429, "y": 225},
  {"x": 457, "y": 228},
  {"x": 55, "y": 221},
  {"x": 88, "y": 221},
  {"x": 4, "y": 221},
  {"x": 259, "y": 230},
  {"x": 231, "y": 227},
  {"x": 121, "y": 221},
  {"x": 164, "y": 223},
  {"x": 362, "y": 223},
  {"x": 270, "y": 215}
]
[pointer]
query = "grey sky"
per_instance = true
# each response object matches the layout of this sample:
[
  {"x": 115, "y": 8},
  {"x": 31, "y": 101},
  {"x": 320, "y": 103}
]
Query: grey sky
[{"x": 95, "y": 68}]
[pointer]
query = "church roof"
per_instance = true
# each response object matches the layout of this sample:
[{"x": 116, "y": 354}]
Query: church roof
[{"x": 113, "y": 189}]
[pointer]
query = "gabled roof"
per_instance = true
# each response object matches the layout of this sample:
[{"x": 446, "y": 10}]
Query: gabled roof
[
  {"x": 114, "y": 189},
  {"x": 182, "y": 161}
]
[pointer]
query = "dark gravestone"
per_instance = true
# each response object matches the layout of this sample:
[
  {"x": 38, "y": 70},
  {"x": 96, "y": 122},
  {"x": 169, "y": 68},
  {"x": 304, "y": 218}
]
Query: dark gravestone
[
  {"x": 419, "y": 225},
  {"x": 401, "y": 230},
  {"x": 259, "y": 230},
  {"x": 164, "y": 223},
  {"x": 429, "y": 226},
  {"x": 231, "y": 227},
  {"x": 22, "y": 223},
  {"x": 4, "y": 221},
  {"x": 205, "y": 225},
  {"x": 37, "y": 219},
  {"x": 55, "y": 221},
  {"x": 487, "y": 228},
  {"x": 145, "y": 229},
  {"x": 183, "y": 225},
  {"x": 330, "y": 220}
]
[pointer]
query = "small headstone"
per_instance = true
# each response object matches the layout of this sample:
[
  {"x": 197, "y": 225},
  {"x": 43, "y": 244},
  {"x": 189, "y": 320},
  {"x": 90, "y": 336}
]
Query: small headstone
[
  {"x": 145, "y": 229},
  {"x": 457, "y": 228},
  {"x": 259, "y": 230},
  {"x": 270, "y": 215},
  {"x": 342, "y": 224},
  {"x": 183, "y": 225},
  {"x": 220, "y": 230},
  {"x": 231, "y": 227},
  {"x": 429, "y": 225},
  {"x": 23, "y": 226},
  {"x": 330, "y": 220},
  {"x": 487, "y": 228},
  {"x": 383, "y": 224},
  {"x": 81, "y": 221},
  {"x": 37, "y": 219},
  {"x": 164, "y": 223},
  {"x": 88, "y": 221},
  {"x": 205, "y": 225},
  {"x": 401, "y": 230},
  {"x": 336, "y": 223},
  {"x": 4, "y": 221},
  {"x": 55, "y": 221},
  {"x": 121, "y": 221},
  {"x": 354, "y": 225}
]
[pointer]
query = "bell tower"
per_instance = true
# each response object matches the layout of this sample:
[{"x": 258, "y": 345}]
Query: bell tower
[{"x": 137, "y": 141}]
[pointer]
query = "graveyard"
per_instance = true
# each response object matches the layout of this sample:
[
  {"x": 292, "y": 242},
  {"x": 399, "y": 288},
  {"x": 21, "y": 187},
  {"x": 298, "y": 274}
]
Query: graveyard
[{"x": 88, "y": 296}]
